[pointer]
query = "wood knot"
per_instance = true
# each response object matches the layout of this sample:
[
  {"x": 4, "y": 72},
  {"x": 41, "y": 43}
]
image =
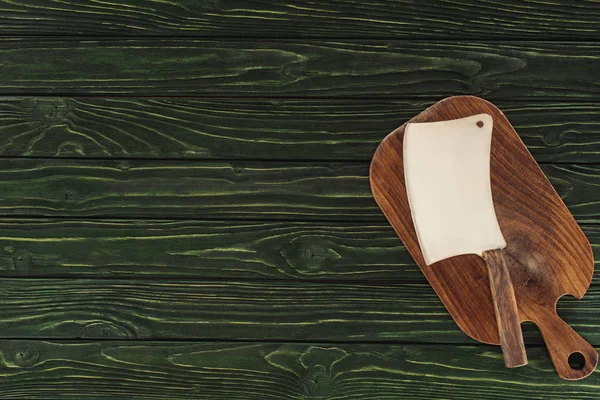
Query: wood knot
[
  {"x": 102, "y": 330},
  {"x": 308, "y": 257},
  {"x": 314, "y": 367},
  {"x": 288, "y": 72},
  {"x": 318, "y": 380},
  {"x": 70, "y": 195},
  {"x": 52, "y": 109},
  {"x": 202, "y": 4},
  {"x": 478, "y": 85},
  {"x": 551, "y": 139},
  {"x": 22, "y": 260},
  {"x": 193, "y": 6},
  {"x": 555, "y": 139},
  {"x": 25, "y": 354}
]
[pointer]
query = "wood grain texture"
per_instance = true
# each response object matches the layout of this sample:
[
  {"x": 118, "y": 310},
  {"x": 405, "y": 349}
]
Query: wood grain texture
[
  {"x": 506, "y": 309},
  {"x": 225, "y": 18},
  {"x": 205, "y": 249},
  {"x": 547, "y": 253},
  {"x": 183, "y": 370},
  {"x": 212, "y": 249},
  {"x": 319, "y": 82},
  {"x": 309, "y": 129},
  {"x": 161, "y": 189},
  {"x": 137, "y": 309},
  {"x": 353, "y": 69}
]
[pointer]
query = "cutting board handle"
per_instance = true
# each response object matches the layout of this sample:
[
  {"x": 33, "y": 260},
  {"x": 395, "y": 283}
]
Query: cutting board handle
[
  {"x": 564, "y": 343},
  {"x": 505, "y": 306}
]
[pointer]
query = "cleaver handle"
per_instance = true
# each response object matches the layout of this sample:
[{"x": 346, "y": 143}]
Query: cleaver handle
[{"x": 505, "y": 306}]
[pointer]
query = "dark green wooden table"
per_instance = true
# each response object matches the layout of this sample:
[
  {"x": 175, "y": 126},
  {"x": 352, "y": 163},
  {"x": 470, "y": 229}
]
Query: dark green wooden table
[{"x": 184, "y": 197}]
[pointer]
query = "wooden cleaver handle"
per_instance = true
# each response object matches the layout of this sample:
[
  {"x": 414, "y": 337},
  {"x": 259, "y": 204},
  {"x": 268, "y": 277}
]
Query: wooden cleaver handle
[{"x": 505, "y": 306}]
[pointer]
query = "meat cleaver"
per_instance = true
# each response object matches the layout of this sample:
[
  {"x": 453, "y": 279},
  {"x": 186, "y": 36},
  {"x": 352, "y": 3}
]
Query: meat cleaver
[
  {"x": 447, "y": 177},
  {"x": 486, "y": 228}
]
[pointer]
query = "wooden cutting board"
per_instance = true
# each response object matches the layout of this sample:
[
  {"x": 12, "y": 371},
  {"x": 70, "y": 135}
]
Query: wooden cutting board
[{"x": 548, "y": 255}]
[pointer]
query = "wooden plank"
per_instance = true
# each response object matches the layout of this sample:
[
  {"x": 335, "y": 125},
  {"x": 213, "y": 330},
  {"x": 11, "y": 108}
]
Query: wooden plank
[
  {"x": 204, "y": 249},
  {"x": 216, "y": 190},
  {"x": 559, "y": 19},
  {"x": 186, "y": 370},
  {"x": 309, "y": 129},
  {"x": 211, "y": 249},
  {"x": 245, "y": 310},
  {"x": 577, "y": 181},
  {"x": 269, "y": 68}
]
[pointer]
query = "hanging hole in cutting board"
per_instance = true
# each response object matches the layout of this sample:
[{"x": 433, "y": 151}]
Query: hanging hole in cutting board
[{"x": 576, "y": 360}]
